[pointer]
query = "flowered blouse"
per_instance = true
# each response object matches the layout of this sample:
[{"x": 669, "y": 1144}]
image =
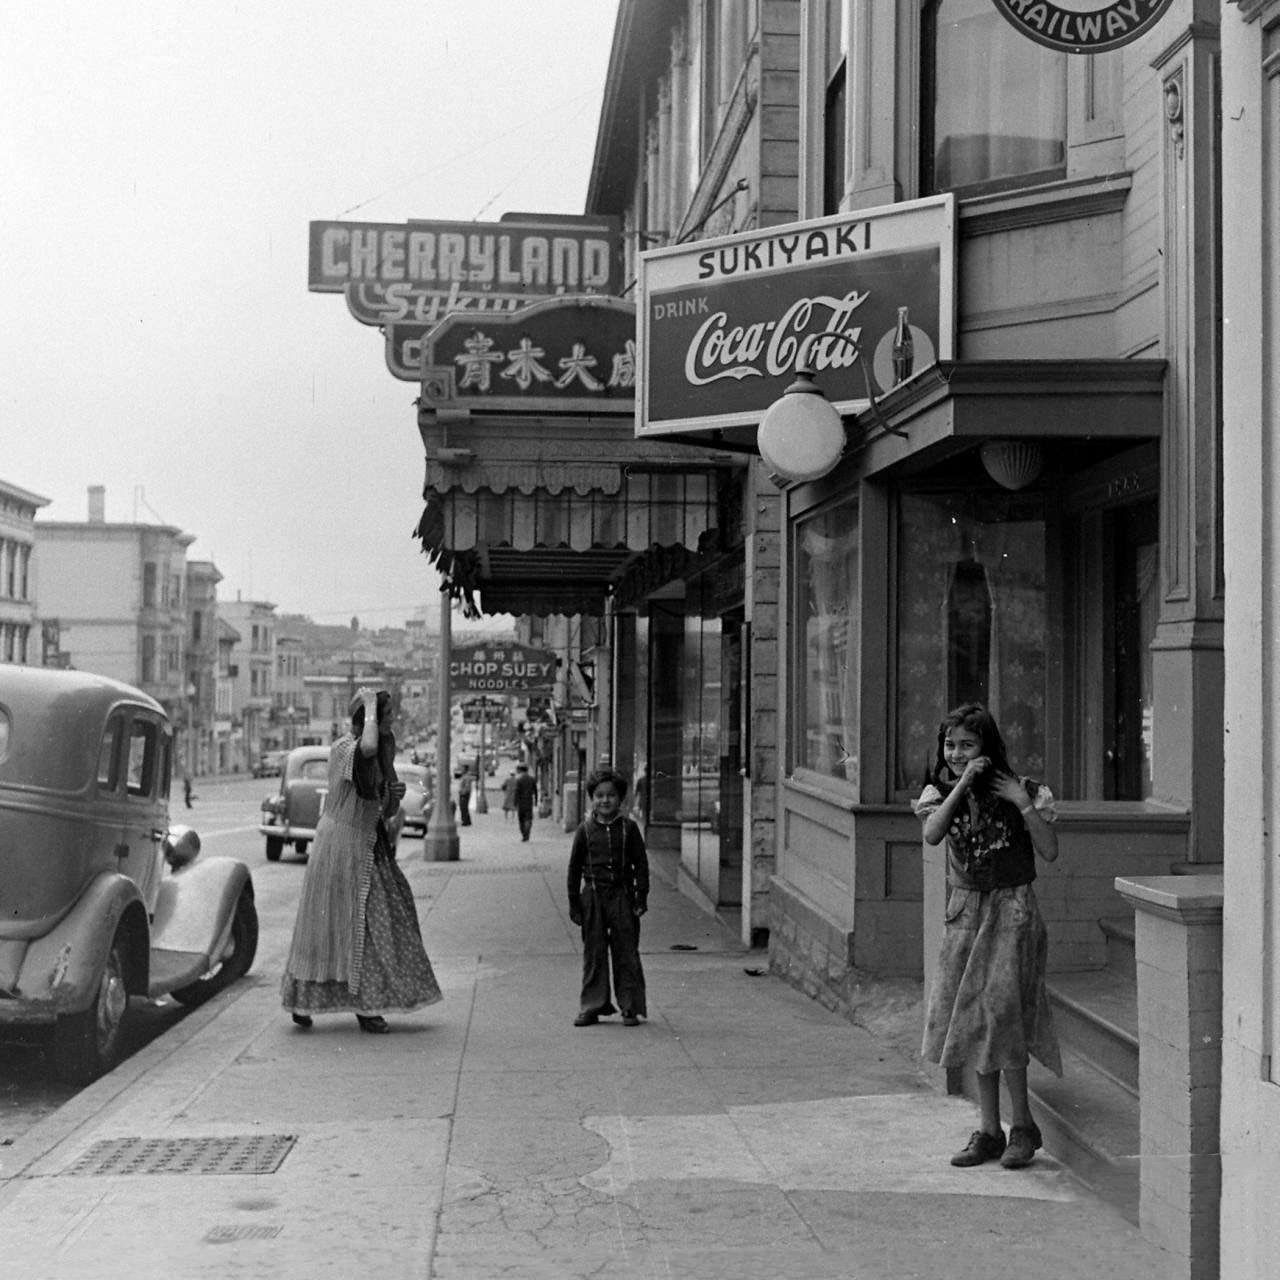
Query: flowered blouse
[{"x": 988, "y": 844}]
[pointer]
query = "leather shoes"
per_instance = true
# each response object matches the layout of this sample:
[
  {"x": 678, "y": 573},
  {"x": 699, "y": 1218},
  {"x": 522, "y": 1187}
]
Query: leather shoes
[
  {"x": 629, "y": 1019},
  {"x": 982, "y": 1147},
  {"x": 301, "y": 1020},
  {"x": 1024, "y": 1142},
  {"x": 585, "y": 1020},
  {"x": 375, "y": 1025}
]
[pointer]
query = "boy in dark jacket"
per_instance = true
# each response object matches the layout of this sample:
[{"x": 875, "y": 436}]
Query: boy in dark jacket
[{"x": 608, "y": 893}]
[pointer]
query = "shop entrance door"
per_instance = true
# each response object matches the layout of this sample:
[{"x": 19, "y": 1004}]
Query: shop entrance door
[
  {"x": 1113, "y": 569},
  {"x": 733, "y": 713}
]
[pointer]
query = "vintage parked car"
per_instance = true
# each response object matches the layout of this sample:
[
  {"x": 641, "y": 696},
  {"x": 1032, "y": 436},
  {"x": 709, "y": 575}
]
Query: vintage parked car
[
  {"x": 268, "y": 764},
  {"x": 291, "y": 815},
  {"x": 418, "y": 795},
  {"x": 102, "y": 899}
]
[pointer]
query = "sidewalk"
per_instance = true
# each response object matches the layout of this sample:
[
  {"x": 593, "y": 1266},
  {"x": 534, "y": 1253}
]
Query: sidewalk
[{"x": 742, "y": 1131}]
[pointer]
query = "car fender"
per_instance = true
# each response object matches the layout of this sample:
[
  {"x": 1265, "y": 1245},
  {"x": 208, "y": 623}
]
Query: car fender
[
  {"x": 60, "y": 971},
  {"x": 195, "y": 905}
]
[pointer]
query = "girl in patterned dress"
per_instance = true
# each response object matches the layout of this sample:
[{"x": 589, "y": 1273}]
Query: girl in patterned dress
[
  {"x": 357, "y": 946},
  {"x": 988, "y": 1009}
]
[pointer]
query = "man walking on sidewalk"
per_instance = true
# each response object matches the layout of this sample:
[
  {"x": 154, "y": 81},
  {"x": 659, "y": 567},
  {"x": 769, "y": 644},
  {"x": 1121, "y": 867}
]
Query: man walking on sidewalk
[
  {"x": 526, "y": 794},
  {"x": 464, "y": 797}
]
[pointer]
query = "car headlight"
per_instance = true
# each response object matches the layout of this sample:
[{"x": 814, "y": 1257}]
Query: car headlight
[{"x": 181, "y": 847}]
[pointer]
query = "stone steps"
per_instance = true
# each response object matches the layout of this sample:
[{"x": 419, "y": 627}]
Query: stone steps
[
  {"x": 1090, "y": 1123},
  {"x": 1089, "y": 1116},
  {"x": 1096, "y": 1013}
]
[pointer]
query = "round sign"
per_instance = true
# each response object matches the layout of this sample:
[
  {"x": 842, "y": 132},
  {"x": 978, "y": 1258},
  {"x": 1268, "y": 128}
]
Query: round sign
[{"x": 1086, "y": 27}]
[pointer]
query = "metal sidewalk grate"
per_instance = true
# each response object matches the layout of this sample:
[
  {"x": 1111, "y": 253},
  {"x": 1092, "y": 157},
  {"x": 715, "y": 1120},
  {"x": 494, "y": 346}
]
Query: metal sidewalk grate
[
  {"x": 454, "y": 869},
  {"x": 255, "y": 1153}
]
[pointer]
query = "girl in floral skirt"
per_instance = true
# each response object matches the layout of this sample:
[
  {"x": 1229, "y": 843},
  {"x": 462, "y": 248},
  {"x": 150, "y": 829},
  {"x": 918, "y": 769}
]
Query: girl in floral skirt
[{"x": 988, "y": 1009}]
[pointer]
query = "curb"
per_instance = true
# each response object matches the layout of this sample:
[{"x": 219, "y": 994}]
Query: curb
[{"x": 83, "y": 1107}]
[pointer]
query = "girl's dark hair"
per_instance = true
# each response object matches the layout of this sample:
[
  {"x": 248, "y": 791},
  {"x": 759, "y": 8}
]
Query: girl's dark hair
[
  {"x": 357, "y": 716},
  {"x": 595, "y": 778},
  {"x": 977, "y": 719}
]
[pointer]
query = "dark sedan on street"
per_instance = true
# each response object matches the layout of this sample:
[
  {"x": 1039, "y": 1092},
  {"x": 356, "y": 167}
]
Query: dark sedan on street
[
  {"x": 102, "y": 900},
  {"x": 291, "y": 815}
]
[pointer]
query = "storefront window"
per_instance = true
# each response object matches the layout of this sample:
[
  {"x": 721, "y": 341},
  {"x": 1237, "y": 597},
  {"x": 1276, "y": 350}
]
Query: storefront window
[
  {"x": 665, "y": 646},
  {"x": 1133, "y": 544},
  {"x": 971, "y": 622},
  {"x": 997, "y": 102},
  {"x": 826, "y": 651}
]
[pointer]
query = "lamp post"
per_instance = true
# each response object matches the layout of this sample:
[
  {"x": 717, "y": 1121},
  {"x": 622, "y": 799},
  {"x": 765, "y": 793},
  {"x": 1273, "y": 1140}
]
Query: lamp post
[
  {"x": 801, "y": 436},
  {"x": 191, "y": 731},
  {"x": 440, "y": 843},
  {"x": 482, "y": 800}
]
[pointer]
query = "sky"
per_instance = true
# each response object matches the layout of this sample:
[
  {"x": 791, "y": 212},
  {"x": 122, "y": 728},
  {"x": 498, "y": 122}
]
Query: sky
[{"x": 159, "y": 166}]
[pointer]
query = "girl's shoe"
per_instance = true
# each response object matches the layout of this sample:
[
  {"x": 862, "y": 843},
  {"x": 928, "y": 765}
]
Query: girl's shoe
[
  {"x": 629, "y": 1019},
  {"x": 301, "y": 1020},
  {"x": 982, "y": 1147},
  {"x": 585, "y": 1020},
  {"x": 1024, "y": 1142},
  {"x": 375, "y": 1025}
]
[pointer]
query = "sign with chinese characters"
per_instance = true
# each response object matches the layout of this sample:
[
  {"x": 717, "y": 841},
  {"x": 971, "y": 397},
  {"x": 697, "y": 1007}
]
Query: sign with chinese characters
[
  {"x": 501, "y": 668},
  {"x": 484, "y": 710},
  {"x": 405, "y": 278},
  {"x": 556, "y": 355},
  {"x": 865, "y": 299},
  {"x": 1090, "y": 26}
]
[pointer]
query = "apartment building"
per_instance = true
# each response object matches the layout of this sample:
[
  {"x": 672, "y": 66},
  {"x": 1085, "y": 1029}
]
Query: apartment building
[
  {"x": 21, "y": 639},
  {"x": 252, "y": 673},
  {"x": 116, "y": 592}
]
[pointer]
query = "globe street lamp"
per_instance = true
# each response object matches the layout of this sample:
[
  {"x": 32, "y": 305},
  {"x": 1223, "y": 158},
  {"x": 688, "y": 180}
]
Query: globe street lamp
[{"x": 801, "y": 436}]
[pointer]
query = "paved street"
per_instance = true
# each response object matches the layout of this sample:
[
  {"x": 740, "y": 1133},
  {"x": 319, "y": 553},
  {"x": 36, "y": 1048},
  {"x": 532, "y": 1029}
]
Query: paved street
[{"x": 742, "y": 1131}]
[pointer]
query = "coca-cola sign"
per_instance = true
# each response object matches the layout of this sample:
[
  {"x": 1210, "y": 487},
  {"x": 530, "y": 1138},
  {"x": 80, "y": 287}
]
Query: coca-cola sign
[{"x": 865, "y": 298}]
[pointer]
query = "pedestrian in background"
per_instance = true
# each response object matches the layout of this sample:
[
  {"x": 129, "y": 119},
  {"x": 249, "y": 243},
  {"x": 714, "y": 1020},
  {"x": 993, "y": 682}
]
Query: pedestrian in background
[
  {"x": 465, "y": 783},
  {"x": 524, "y": 794},
  {"x": 357, "y": 946},
  {"x": 988, "y": 1009},
  {"x": 187, "y": 794},
  {"x": 608, "y": 893},
  {"x": 508, "y": 796}
]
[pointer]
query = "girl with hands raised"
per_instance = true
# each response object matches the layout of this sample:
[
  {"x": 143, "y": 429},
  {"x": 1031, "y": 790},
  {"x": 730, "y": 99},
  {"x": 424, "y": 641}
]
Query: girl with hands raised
[{"x": 988, "y": 1009}]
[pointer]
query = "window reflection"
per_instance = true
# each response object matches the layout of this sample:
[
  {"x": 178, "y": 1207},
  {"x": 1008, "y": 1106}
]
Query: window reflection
[
  {"x": 971, "y": 622},
  {"x": 999, "y": 100},
  {"x": 826, "y": 676}
]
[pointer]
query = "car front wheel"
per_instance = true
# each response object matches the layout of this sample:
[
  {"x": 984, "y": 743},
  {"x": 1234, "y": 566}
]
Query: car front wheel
[
  {"x": 275, "y": 847},
  {"x": 242, "y": 948},
  {"x": 88, "y": 1044}
]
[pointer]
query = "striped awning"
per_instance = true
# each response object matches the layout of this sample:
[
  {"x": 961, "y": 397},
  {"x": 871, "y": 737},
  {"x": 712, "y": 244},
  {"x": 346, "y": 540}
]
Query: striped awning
[{"x": 558, "y": 542}]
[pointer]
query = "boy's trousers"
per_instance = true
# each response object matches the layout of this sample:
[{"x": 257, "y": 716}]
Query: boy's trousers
[{"x": 610, "y": 928}]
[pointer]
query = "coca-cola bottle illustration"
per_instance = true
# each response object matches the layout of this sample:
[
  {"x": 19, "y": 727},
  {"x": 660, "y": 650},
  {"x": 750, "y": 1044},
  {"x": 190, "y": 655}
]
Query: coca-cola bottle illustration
[{"x": 904, "y": 355}]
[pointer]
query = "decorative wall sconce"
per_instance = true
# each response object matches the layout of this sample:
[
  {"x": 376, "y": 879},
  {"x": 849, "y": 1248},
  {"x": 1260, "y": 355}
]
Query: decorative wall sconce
[
  {"x": 1012, "y": 464},
  {"x": 801, "y": 436}
]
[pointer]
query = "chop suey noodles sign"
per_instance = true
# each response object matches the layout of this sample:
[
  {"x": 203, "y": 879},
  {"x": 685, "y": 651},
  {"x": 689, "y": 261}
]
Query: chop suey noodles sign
[{"x": 863, "y": 299}]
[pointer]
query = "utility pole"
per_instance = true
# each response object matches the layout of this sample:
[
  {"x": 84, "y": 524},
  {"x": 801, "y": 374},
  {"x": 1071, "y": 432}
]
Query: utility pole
[
  {"x": 482, "y": 800},
  {"x": 440, "y": 843}
]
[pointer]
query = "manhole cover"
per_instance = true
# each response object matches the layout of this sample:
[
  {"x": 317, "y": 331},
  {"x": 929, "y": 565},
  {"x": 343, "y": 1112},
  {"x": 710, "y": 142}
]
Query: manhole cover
[{"x": 256, "y": 1153}]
